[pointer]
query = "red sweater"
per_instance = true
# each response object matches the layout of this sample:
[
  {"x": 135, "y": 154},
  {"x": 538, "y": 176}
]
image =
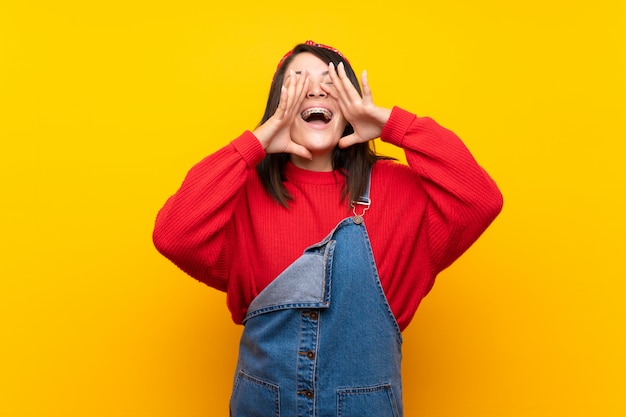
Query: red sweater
[{"x": 222, "y": 228}]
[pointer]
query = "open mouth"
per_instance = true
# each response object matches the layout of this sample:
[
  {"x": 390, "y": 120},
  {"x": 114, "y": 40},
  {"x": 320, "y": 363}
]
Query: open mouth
[{"x": 317, "y": 114}]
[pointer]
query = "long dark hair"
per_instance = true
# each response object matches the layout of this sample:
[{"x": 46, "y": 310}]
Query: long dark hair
[{"x": 353, "y": 162}]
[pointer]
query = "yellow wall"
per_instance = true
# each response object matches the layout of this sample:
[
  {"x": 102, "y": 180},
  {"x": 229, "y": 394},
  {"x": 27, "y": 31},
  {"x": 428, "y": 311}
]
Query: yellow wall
[{"x": 105, "y": 105}]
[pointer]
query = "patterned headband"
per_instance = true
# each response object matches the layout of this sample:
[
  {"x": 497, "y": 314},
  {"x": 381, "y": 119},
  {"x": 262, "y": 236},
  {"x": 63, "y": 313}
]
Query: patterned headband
[{"x": 318, "y": 45}]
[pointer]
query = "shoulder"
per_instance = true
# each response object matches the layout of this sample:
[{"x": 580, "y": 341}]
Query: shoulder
[
  {"x": 396, "y": 179},
  {"x": 386, "y": 170}
]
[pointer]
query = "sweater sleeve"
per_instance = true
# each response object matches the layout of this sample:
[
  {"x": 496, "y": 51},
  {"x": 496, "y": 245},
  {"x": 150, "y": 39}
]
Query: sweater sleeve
[
  {"x": 193, "y": 225},
  {"x": 462, "y": 198}
]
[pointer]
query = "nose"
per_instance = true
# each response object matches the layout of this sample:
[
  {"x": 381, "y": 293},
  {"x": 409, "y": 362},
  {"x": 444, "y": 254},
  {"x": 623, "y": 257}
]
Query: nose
[{"x": 315, "y": 90}]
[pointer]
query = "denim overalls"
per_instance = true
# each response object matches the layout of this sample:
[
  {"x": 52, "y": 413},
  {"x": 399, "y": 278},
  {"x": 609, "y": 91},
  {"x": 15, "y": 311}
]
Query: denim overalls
[{"x": 320, "y": 340}]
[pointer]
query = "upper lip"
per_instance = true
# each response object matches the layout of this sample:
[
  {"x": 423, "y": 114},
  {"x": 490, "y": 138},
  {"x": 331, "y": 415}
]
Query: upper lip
[{"x": 306, "y": 113}]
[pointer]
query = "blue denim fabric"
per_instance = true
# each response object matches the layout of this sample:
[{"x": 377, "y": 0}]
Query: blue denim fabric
[{"x": 321, "y": 340}]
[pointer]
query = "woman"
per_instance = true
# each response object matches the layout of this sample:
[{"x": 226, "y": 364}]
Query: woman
[{"x": 324, "y": 248}]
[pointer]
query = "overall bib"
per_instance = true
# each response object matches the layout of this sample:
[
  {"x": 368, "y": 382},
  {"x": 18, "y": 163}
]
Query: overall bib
[{"x": 321, "y": 340}]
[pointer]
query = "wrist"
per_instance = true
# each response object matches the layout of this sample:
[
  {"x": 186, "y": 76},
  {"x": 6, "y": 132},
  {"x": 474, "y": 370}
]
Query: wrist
[
  {"x": 263, "y": 136},
  {"x": 382, "y": 116}
]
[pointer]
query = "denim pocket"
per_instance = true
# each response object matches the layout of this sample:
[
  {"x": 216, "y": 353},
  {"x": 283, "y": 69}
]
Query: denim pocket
[
  {"x": 376, "y": 401},
  {"x": 253, "y": 397}
]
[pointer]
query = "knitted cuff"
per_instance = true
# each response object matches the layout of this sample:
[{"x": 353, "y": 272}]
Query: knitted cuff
[
  {"x": 249, "y": 148},
  {"x": 395, "y": 129}
]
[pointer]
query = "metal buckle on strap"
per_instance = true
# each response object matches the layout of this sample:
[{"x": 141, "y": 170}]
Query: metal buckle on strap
[{"x": 364, "y": 203}]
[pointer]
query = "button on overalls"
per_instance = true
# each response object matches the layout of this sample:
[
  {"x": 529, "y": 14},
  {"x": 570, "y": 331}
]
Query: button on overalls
[{"x": 321, "y": 340}]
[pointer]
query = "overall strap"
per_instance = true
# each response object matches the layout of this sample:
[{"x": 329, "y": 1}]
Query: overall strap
[{"x": 364, "y": 202}]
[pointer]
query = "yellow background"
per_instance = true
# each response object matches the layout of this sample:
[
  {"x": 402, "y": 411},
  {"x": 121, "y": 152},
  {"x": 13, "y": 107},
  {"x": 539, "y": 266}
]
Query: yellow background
[{"x": 105, "y": 105}]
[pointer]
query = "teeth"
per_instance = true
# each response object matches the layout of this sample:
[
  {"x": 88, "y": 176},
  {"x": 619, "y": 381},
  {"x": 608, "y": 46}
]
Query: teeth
[{"x": 317, "y": 110}]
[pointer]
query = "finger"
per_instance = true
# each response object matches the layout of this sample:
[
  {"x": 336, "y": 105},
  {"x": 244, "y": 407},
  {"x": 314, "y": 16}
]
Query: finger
[
  {"x": 301, "y": 89},
  {"x": 298, "y": 86},
  {"x": 337, "y": 83},
  {"x": 291, "y": 86},
  {"x": 285, "y": 92},
  {"x": 282, "y": 102},
  {"x": 337, "y": 90},
  {"x": 348, "y": 140},
  {"x": 299, "y": 150},
  {"x": 329, "y": 88},
  {"x": 345, "y": 83},
  {"x": 290, "y": 96},
  {"x": 365, "y": 86}
]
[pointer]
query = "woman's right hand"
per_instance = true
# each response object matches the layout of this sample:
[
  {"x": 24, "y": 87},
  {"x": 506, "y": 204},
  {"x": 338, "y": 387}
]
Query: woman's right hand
[{"x": 274, "y": 134}]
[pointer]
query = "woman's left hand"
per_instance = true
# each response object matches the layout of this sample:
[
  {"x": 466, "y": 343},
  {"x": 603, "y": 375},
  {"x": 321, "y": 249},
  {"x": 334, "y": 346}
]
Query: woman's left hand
[{"x": 366, "y": 118}]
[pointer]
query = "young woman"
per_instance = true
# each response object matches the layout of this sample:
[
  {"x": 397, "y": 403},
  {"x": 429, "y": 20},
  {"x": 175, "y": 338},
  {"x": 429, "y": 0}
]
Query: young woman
[{"x": 324, "y": 248}]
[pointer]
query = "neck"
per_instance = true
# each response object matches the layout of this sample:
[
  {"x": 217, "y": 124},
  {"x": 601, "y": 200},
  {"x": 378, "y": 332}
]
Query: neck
[{"x": 319, "y": 163}]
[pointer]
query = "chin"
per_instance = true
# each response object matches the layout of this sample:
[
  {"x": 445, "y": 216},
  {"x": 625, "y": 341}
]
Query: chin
[
  {"x": 317, "y": 140},
  {"x": 319, "y": 145}
]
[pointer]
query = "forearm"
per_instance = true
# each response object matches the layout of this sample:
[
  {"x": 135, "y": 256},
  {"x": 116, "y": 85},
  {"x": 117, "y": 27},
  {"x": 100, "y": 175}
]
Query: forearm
[
  {"x": 191, "y": 227},
  {"x": 463, "y": 199}
]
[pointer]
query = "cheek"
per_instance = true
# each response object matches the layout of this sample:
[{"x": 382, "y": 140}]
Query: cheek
[
  {"x": 341, "y": 125},
  {"x": 294, "y": 133}
]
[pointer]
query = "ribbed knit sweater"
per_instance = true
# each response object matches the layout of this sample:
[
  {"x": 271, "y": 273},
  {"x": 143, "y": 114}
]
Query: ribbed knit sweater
[{"x": 222, "y": 228}]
